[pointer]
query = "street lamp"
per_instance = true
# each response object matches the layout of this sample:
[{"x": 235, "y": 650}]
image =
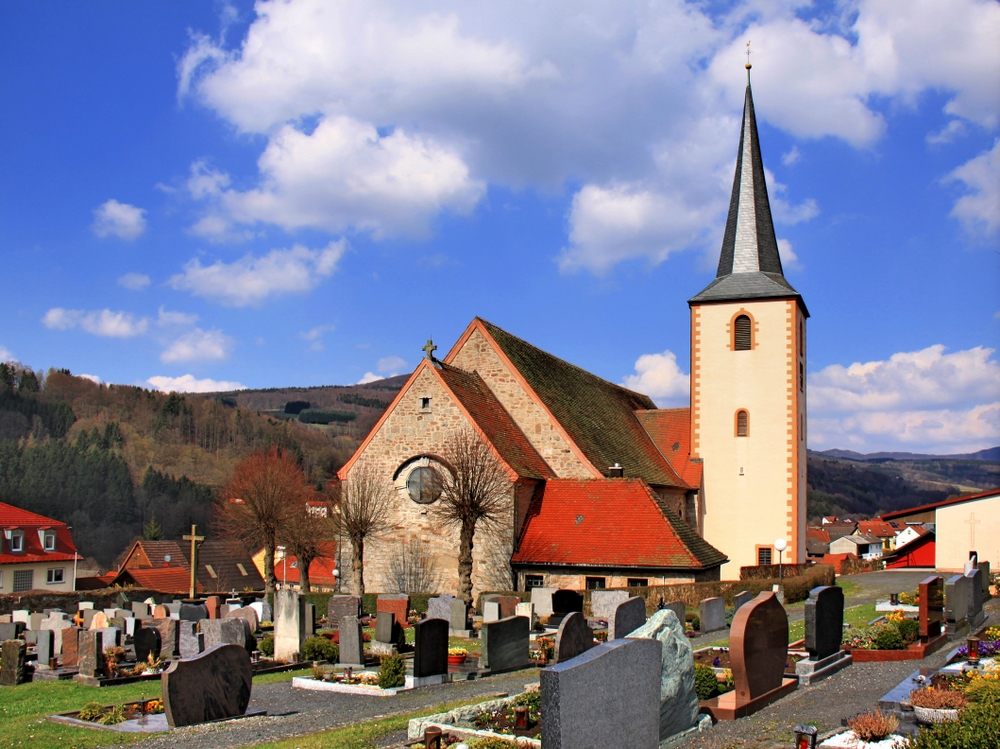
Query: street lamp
[
  {"x": 336, "y": 576},
  {"x": 780, "y": 545}
]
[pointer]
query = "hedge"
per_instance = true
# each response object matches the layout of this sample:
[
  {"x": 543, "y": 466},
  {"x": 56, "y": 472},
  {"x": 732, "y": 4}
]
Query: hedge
[
  {"x": 771, "y": 571},
  {"x": 418, "y": 602}
]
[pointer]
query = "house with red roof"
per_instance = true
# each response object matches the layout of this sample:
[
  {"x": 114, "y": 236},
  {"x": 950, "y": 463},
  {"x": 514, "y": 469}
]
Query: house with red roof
[
  {"x": 324, "y": 570},
  {"x": 36, "y": 552},
  {"x": 165, "y": 566}
]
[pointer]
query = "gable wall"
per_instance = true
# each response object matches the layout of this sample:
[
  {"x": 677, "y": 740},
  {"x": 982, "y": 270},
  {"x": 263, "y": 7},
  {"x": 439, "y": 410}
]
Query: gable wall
[{"x": 477, "y": 355}]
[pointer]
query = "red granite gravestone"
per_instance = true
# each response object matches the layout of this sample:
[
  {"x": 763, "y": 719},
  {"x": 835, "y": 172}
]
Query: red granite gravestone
[
  {"x": 212, "y": 686},
  {"x": 70, "y": 657},
  {"x": 398, "y": 605},
  {"x": 931, "y": 614},
  {"x": 213, "y": 604},
  {"x": 508, "y": 606},
  {"x": 160, "y": 612}
]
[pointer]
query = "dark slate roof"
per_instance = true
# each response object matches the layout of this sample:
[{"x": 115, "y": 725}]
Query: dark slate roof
[
  {"x": 490, "y": 415},
  {"x": 749, "y": 264},
  {"x": 226, "y": 558},
  {"x": 598, "y": 415}
]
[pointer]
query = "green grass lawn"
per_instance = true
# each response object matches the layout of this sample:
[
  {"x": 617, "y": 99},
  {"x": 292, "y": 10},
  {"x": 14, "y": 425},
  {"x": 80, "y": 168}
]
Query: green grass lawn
[
  {"x": 854, "y": 615},
  {"x": 850, "y": 587},
  {"x": 473, "y": 646}
]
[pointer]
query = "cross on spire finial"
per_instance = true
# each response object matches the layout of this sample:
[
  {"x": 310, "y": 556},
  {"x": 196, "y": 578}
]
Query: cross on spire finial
[
  {"x": 748, "y": 65},
  {"x": 429, "y": 349}
]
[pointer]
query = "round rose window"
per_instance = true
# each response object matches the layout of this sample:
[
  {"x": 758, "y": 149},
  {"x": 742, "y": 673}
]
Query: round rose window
[{"x": 424, "y": 485}]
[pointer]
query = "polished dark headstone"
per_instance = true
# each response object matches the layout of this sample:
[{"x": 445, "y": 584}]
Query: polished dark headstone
[
  {"x": 12, "y": 654},
  {"x": 567, "y": 601},
  {"x": 956, "y": 599},
  {"x": 628, "y": 616},
  {"x": 758, "y": 647},
  {"x": 193, "y": 612},
  {"x": 386, "y": 628},
  {"x": 212, "y": 686},
  {"x": 341, "y": 606},
  {"x": 396, "y": 603},
  {"x": 352, "y": 644},
  {"x": 430, "y": 655},
  {"x": 975, "y": 579},
  {"x": 931, "y": 616},
  {"x": 505, "y": 644},
  {"x": 573, "y": 637},
  {"x": 824, "y": 614},
  {"x": 147, "y": 642}
]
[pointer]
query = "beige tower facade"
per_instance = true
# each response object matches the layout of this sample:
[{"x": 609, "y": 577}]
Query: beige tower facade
[{"x": 748, "y": 383}]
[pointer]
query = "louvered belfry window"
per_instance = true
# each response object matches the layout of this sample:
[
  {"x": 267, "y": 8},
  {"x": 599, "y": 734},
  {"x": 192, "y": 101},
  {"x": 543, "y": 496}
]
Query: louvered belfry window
[
  {"x": 741, "y": 424},
  {"x": 741, "y": 333}
]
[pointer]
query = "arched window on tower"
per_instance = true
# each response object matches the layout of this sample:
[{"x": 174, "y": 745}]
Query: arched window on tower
[
  {"x": 742, "y": 423},
  {"x": 742, "y": 333}
]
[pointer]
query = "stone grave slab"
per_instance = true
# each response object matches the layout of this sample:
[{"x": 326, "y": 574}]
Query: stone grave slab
[
  {"x": 956, "y": 599},
  {"x": 111, "y": 637},
  {"x": 70, "y": 652},
  {"x": 340, "y": 606},
  {"x": 169, "y": 636},
  {"x": 85, "y": 605},
  {"x": 12, "y": 655},
  {"x": 680, "y": 610},
  {"x": 212, "y": 606},
  {"x": 289, "y": 625},
  {"x": 567, "y": 601},
  {"x": 824, "y": 621},
  {"x": 147, "y": 642},
  {"x": 397, "y": 604},
  {"x": 35, "y": 621},
  {"x": 975, "y": 615},
  {"x": 606, "y": 697},
  {"x": 459, "y": 615},
  {"x": 192, "y": 612},
  {"x": 430, "y": 655},
  {"x": 140, "y": 610},
  {"x": 225, "y": 632},
  {"x": 263, "y": 609},
  {"x": 212, "y": 686},
  {"x": 742, "y": 598},
  {"x": 91, "y": 654},
  {"x": 190, "y": 642},
  {"x": 628, "y": 616},
  {"x": 491, "y": 611},
  {"x": 931, "y": 616},
  {"x": 604, "y": 602},
  {"x": 21, "y": 615},
  {"x": 984, "y": 569},
  {"x": 247, "y": 614},
  {"x": 98, "y": 620},
  {"x": 352, "y": 645},
  {"x": 542, "y": 600},
  {"x": 31, "y": 636},
  {"x": 508, "y": 605},
  {"x": 505, "y": 644},
  {"x": 11, "y": 630},
  {"x": 678, "y": 701},
  {"x": 712, "y": 614},
  {"x": 574, "y": 637},
  {"x": 439, "y": 607},
  {"x": 309, "y": 619},
  {"x": 161, "y": 612},
  {"x": 46, "y": 647}
]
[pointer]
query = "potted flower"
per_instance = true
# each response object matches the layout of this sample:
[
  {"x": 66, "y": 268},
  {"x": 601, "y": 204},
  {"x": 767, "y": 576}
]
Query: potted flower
[
  {"x": 932, "y": 705},
  {"x": 457, "y": 656}
]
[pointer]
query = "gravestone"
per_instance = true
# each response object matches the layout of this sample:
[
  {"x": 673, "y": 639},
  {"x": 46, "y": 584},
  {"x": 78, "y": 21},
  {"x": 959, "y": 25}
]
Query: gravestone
[
  {"x": 45, "y": 644},
  {"x": 604, "y": 602},
  {"x": 70, "y": 654},
  {"x": 566, "y": 602},
  {"x": 459, "y": 615},
  {"x": 505, "y": 644},
  {"x": 976, "y": 614},
  {"x": 289, "y": 625},
  {"x": 956, "y": 599},
  {"x": 680, "y": 610},
  {"x": 758, "y": 647},
  {"x": 341, "y": 606},
  {"x": 352, "y": 642},
  {"x": 491, "y": 611},
  {"x": 169, "y": 637},
  {"x": 605, "y": 697},
  {"x": 678, "y": 700},
  {"x": 174, "y": 607},
  {"x": 160, "y": 612},
  {"x": 984, "y": 569},
  {"x": 931, "y": 615},
  {"x": 439, "y": 607},
  {"x": 263, "y": 609},
  {"x": 395, "y": 603},
  {"x": 247, "y": 614},
  {"x": 12, "y": 654},
  {"x": 21, "y": 615},
  {"x": 192, "y": 612},
  {"x": 508, "y": 605},
  {"x": 111, "y": 637},
  {"x": 386, "y": 629},
  {"x": 91, "y": 657},
  {"x": 430, "y": 655},
  {"x": 824, "y": 615},
  {"x": 212, "y": 606},
  {"x": 542, "y": 600},
  {"x": 213, "y": 686},
  {"x": 225, "y": 632},
  {"x": 712, "y": 614},
  {"x": 574, "y": 637},
  {"x": 11, "y": 630},
  {"x": 527, "y": 609},
  {"x": 35, "y": 621},
  {"x": 140, "y": 610},
  {"x": 742, "y": 598},
  {"x": 628, "y": 616},
  {"x": 309, "y": 618},
  {"x": 98, "y": 620},
  {"x": 190, "y": 642},
  {"x": 30, "y": 636},
  {"x": 146, "y": 642},
  {"x": 88, "y": 616},
  {"x": 85, "y": 605},
  {"x": 131, "y": 624}
]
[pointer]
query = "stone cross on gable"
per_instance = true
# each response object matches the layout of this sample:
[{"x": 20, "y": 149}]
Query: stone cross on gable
[
  {"x": 972, "y": 523},
  {"x": 429, "y": 349},
  {"x": 195, "y": 540}
]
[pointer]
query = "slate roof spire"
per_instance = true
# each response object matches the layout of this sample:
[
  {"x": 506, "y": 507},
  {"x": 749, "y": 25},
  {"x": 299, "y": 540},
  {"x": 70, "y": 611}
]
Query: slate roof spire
[{"x": 749, "y": 264}]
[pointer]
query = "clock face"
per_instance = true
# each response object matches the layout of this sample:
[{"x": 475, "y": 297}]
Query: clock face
[{"x": 424, "y": 485}]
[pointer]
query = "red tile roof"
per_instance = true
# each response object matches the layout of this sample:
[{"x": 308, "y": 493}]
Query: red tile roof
[
  {"x": 818, "y": 534},
  {"x": 579, "y": 522},
  {"x": 670, "y": 429},
  {"x": 490, "y": 416},
  {"x": 29, "y": 522},
  {"x": 156, "y": 552},
  {"x": 942, "y": 503},
  {"x": 320, "y": 570},
  {"x": 878, "y": 527},
  {"x": 163, "y": 579}
]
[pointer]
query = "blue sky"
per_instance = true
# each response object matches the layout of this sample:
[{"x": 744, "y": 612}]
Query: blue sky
[{"x": 200, "y": 195}]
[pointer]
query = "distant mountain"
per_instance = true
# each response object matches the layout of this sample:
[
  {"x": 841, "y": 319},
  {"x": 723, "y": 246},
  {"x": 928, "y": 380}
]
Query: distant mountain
[{"x": 990, "y": 454}]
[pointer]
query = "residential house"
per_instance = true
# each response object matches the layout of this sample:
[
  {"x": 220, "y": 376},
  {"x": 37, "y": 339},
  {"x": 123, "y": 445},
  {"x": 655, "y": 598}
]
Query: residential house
[{"x": 36, "y": 552}]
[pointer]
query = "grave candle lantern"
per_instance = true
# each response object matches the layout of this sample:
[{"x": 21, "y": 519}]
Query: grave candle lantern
[
  {"x": 973, "y": 645},
  {"x": 521, "y": 716},
  {"x": 805, "y": 737},
  {"x": 432, "y": 737},
  {"x": 894, "y": 599}
]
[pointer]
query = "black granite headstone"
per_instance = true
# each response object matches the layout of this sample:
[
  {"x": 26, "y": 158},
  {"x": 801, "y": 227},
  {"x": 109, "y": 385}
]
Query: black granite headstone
[
  {"x": 430, "y": 656},
  {"x": 193, "y": 612},
  {"x": 212, "y": 686},
  {"x": 574, "y": 637},
  {"x": 505, "y": 644},
  {"x": 566, "y": 601},
  {"x": 824, "y": 614},
  {"x": 147, "y": 642}
]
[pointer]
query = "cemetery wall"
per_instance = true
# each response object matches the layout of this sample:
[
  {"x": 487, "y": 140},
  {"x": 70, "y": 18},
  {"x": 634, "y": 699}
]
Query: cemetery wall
[{"x": 102, "y": 598}]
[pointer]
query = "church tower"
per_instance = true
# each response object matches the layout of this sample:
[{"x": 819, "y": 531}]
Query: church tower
[{"x": 748, "y": 382}]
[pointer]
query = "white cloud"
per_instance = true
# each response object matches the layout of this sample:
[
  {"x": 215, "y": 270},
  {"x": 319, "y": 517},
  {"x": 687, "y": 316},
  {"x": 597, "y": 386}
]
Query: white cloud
[
  {"x": 948, "y": 133},
  {"x": 189, "y": 384},
  {"x": 250, "y": 280},
  {"x": 315, "y": 336},
  {"x": 659, "y": 377},
  {"x": 134, "y": 281},
  {"x": 925, "y": 400},
  {"x": 979, "y": 211},
  {"x": 789, "y": 260},
  {"x": 394, "y": 364},
  {"x": 119, "y": 219},
  {"x": 97, "y": 322},
  {"x": 5, "y": 354},
  {"x": 205, "y": 182},
  {"x": 167, "y": 319},
  {"x": 198, "y": 346},
  {"x": 370, "y": 377},
  {"x": 93, "y": 378},
  {"x": 791, "y": 157}
]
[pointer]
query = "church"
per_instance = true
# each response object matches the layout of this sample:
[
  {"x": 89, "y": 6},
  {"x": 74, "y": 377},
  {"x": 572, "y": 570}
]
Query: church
[{"x": 606, "y": 489}]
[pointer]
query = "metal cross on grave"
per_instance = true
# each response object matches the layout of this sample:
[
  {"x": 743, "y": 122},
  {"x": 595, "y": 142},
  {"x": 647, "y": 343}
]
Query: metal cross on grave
[
  {"x": 195, "y": 539},
  {"x": 972, "y": 523},
  {"x": 429, "y": 349}
]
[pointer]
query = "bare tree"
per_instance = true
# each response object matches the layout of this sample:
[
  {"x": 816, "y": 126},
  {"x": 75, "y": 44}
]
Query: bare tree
[
  {"x": 361, "y": 510},
  {"x": 475, "y": 493},
  {"x": 411, "y": 568},
  {"x": 304, "y": 535},
  {"x": 258, "y": 501},
  {"x": 496, "y": 571}
]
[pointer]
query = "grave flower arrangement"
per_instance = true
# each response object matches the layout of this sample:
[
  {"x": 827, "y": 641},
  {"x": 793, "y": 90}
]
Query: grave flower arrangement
[
  {"x": 113, "y": 656},
  {"x": 521, "y": 717},
  {"x": 95, "y": 712},
  {"x": 893, "y": 634},
  {"x": 910, "y": 599},
  {"x": 151, "y": 666},
  {"x": 545, "y": 648}
]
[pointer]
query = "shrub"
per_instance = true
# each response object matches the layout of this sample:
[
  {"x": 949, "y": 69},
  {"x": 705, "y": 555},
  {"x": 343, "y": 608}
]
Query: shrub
[
  {"x": 909, "y": 629},
  {"x": 392, "y": 672},
  {"x": 938, "y": 698},
  {"x": 706, "y": 683},
  {"x": 874, "y": 725},
  {"x": 112, "y": 716},
  {"x": 320, "y": 649},
  {"x": 696, "y": 622},
  {"x": 266, "y": 646},
  {"x": 887, "y": 637},
  {"x": 531, "y": 700},
  {"x": 490, "y": 742},
  {"x": 91, "y": 711},
  {"x": 977, "y": 727}
]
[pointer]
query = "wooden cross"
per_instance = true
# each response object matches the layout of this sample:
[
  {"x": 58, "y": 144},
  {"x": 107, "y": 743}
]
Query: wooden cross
[
  {"x": 972, "y": 523},
  {"x": 430, "y": 348},
  {"x": 195, "y": 540}
]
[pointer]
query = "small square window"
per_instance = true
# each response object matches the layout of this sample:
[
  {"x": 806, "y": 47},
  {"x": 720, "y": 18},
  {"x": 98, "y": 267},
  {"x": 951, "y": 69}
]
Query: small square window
[
  {"x": 595, "y": 583},
  {"x": 637, "y": 582},
  {"x": 242, "y": 569},
  {"x": 17, "y": 541},
  {"x": 56, "y": 576},
  {"x": 23, "y": 580},
  {"x": 533, "y": 581},
  {"x": 764, "y": 556},
  {"x": 425, "y": 404},
  {"x": 50, "y": 541},
  {"x": 211, "y": 571}
]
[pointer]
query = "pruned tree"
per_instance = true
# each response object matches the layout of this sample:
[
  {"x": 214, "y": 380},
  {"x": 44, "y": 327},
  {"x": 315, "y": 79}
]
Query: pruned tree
[
  {"x": 410, "y": 568},
  {"x": 476, "y": 493},
  {"x": 361, "y": 508},
  {"x": 497, "y": 573},
  {"x": 259, "y": 500},
  {"x": 304, "y": 535}
]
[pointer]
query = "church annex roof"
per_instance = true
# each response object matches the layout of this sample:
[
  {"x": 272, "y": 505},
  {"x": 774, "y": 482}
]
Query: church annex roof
[
  {"x": 670, "y": 429},
  {"x": 749, "y": 264},
  {"x": 598, "y": 415},
  {"x": 579, "y": 522}
]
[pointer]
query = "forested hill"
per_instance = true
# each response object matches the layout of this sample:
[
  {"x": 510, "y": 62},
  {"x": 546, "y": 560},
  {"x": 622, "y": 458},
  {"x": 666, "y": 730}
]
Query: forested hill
[{"x": 114, "y": 461}]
